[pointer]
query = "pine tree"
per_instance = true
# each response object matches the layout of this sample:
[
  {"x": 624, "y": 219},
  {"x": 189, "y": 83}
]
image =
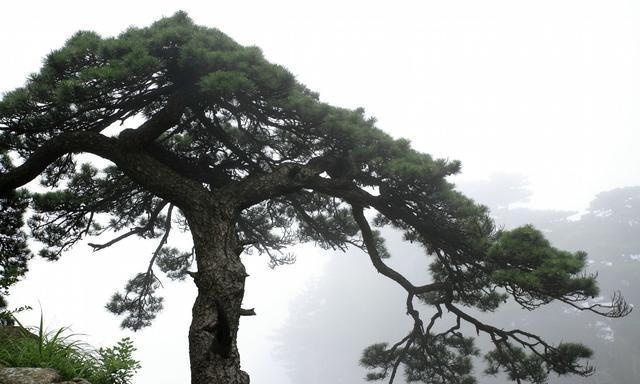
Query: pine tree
[
  {"x": 14, "y": 252},
  {"x": 232, "y": 149}
]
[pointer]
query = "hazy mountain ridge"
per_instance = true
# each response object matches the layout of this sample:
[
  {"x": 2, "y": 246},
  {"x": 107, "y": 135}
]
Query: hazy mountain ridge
[{"x": 352, "y": 306}]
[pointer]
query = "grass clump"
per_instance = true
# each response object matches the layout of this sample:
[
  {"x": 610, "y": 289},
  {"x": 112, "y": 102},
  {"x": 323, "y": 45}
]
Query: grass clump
[{"x": 72, "y": 358}]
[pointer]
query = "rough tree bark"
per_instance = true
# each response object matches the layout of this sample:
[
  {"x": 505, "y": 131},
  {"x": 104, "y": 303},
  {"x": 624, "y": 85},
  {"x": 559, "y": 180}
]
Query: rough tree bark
[{"x": 216, "y": 312}]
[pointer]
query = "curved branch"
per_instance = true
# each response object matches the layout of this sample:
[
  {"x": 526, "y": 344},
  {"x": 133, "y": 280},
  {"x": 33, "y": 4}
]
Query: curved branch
[
  {"x": 380, "y": 266},
  {"x": 136, "y": 164},
  {"x": 135, "y": 231},
  {"x": 163, "y": 241},
  {"x": 439, "y": 237},
  {"x": 532, "y": 342},
  {"x": 188, "y": 168},
  {"x": 71, "y": 142},
  {"x": 155, "y": 126},
  {"x": 88, "y": 141},
  {"x": 284, "y": 179},
  {"x": 616, "y": 309}
]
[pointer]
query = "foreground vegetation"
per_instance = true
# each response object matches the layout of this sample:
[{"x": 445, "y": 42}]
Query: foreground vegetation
[{"x": 69, "y": 356}]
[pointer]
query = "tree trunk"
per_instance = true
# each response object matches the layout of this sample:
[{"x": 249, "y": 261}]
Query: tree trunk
[{"x": 220, "y": 279}]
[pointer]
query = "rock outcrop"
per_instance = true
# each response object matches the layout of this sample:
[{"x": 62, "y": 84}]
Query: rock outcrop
[
  {"x": 15, "y": 332},
  {"x": 34, "y": 376},
  {"x": 22, "y": 375},
  {"x": 29, "y": 376}
]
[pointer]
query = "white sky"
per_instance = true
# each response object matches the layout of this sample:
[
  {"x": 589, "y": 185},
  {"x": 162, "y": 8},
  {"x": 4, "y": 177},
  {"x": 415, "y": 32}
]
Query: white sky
[{"x": 548, "y": 89}]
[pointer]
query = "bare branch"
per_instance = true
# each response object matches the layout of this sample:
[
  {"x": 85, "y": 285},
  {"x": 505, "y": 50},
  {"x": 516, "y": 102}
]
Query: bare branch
[
  {"x": 380, "y": 266},
  {"x": 135, "y": 231},
  {"x": 617, "y": 308},
  {"x": 163, "y": 241}
]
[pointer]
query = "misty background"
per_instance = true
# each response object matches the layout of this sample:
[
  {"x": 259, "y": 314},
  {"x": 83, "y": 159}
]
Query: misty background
[
  {"x": 335, "y": 319},
  {"x": 538, "y": 100}
]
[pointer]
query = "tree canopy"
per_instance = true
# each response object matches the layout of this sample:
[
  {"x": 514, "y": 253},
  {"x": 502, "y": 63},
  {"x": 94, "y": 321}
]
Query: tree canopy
[{"x": 203, "y": 134}]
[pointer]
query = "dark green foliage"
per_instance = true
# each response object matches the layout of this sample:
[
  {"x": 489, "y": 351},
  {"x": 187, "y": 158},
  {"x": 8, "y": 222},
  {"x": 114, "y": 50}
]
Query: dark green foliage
[
  {"x": 174, "y": 263},
  {"x": 14, "y": 252},
  {"x": 535, "y": 368},
  {"x": 138, "y": 302},
  {"x": 535, "y": 272},
  {"x": 517, "y": 364},
  {"x": 434, "y": 359}
]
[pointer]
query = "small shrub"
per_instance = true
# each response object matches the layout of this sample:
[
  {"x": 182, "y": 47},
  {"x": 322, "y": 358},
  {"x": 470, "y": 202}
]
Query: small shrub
[
  {"x": 116, "y": 365},
  {"x": 63, "y": 352}
]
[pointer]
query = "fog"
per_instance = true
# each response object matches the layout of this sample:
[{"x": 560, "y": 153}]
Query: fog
[
  {"x": 353, "y": 307},
  {"x": 537, "y": 99}
]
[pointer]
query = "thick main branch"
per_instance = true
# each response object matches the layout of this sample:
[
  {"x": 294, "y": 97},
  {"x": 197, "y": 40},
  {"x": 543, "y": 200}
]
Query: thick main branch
[
  {"x": 72, "y": 142},
  {"x": 282, "y": 180},
  {"x": 135, "y": 163}
]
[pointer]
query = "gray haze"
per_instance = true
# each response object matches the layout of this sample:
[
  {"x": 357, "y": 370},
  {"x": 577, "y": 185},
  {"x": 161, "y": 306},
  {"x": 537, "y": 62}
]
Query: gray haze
[
  {"x": 547, "y": 89},
  {"x": 353, "y": 307}
]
